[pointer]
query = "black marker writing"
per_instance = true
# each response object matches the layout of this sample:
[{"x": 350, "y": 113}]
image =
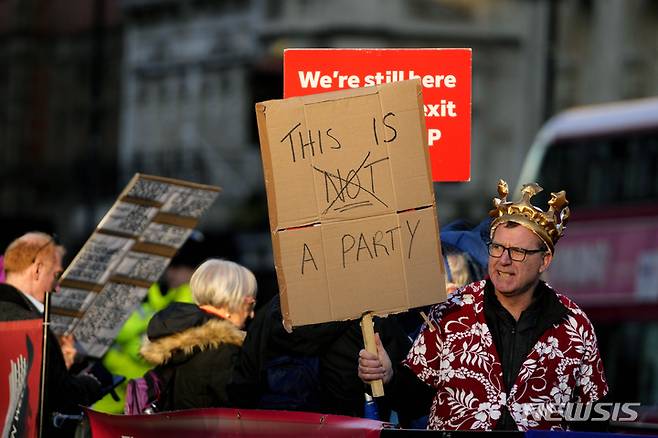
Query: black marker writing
[
  {"x": 340, "y": 185},
  {"x": 392, "y": 135},
  {"x": 372, "y": 246},
  {"x": 307, "y": 146},
  {"x": 311, "y": 259},
  {"x": 412, "y": 234}
]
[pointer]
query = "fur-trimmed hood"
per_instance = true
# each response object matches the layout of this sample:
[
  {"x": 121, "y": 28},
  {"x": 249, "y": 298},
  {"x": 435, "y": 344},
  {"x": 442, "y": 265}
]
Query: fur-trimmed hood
[{"x": 211, "y": 334}]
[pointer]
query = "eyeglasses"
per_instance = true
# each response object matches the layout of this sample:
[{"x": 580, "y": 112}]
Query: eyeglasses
[
  {"x": 53, "y": 240},
  {"x": 516, "y": 254}
]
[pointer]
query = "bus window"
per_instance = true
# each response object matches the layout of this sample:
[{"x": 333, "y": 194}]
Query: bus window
[{"x": 611, "y": 170}]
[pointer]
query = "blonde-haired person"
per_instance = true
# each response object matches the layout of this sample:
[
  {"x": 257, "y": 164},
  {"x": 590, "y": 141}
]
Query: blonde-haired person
[
  {"x": 195, "y": 346},
  {"x": 460, "y": 268}
]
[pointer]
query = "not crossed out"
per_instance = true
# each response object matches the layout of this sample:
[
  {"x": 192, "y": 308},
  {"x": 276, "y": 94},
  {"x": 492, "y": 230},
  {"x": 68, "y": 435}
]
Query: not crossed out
[{"x": 349, "y": 181}]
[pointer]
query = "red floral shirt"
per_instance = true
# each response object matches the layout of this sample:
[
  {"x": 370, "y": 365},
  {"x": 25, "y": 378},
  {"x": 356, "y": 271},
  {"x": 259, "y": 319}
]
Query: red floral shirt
[{"x": 460, "y": 360}]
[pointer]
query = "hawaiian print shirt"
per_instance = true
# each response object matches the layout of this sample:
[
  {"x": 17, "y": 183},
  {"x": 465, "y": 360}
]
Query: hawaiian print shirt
[{"x": 460, "y": 360}]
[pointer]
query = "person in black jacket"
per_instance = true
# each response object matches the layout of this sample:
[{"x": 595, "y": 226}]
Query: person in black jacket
[
  {"x": 313, "y": 368},
  {"x": 196, "y": 345},
  {"x": 32, "y": 264}
]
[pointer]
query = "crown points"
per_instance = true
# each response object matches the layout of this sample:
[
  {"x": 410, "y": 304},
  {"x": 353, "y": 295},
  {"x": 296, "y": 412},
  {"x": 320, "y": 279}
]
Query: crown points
[
  {"x": 558, "y": 201},
  {"x": 503, "y": 190},
  {"x": 530, "y": 190}
]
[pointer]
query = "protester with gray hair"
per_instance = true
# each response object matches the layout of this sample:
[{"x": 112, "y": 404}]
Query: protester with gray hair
[{"x": 195, "y": 346}]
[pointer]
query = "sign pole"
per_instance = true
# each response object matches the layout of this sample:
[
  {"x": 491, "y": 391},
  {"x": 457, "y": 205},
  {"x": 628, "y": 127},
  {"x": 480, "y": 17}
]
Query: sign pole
[
  {"x": 368, "y": 332},
  {"x": 44, "y": 353}
]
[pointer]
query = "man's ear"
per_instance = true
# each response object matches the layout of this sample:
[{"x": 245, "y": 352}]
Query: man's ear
[
  {"x": 35, "y": 271},
  {"x": 547, "y": 258}
]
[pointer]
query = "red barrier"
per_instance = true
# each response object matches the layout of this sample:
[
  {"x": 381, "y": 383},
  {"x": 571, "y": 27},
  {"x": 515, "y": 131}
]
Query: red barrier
[{"x": 216, "y": 422}]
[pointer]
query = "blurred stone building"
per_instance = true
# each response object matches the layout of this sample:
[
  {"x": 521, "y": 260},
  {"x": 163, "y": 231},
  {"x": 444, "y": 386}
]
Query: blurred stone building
[
  {"x": 94, "y": 91},
  {"x": 59, "y": 101}
]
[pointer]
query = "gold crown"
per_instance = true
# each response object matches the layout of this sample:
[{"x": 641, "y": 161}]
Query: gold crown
[{"x": 548, "y": 226}]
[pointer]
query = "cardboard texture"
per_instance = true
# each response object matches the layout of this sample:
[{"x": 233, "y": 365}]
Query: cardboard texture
[{"x": 351, "y": 203}]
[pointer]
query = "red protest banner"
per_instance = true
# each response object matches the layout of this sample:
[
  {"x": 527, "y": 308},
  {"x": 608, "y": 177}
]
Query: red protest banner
[
  {"x": 231, "y": 422},
  {"x": 444, "y": 73},
  {"x": 20, "y": 366}
]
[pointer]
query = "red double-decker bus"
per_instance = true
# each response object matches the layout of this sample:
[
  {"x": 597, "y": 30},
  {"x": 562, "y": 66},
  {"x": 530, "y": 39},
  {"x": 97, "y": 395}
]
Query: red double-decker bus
[{"x": 606, "y": 158}]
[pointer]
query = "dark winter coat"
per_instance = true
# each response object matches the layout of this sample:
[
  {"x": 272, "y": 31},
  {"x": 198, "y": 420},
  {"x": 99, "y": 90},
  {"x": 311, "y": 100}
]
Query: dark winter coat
[
  {"x": 269, "y": 349},
  {"x": 63, "y": 390},
  {"x": 200, "y": 348}
]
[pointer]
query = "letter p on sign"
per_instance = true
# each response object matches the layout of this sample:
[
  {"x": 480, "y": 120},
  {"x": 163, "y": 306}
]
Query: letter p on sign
[{"x": 433, "y": 135}]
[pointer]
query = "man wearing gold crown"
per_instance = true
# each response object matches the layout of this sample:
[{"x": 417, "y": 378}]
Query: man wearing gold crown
[{"x": 508, "y": 352}]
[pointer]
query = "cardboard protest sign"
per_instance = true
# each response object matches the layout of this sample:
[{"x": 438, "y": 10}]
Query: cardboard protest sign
[
  {"x": 445, "y": 75},
  {"x": 20, "y": 369},
  {"x": 129, "y": 250},
  {"x": 351, "y": 203}
]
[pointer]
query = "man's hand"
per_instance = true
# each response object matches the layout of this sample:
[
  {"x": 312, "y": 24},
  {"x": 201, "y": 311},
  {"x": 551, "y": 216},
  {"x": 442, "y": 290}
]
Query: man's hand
[
  {"x": 67, "y": 344},
  {"x": 375, "y": 367}
]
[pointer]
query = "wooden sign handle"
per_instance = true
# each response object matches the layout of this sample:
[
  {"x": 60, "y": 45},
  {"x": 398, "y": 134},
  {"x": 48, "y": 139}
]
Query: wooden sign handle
[{"x": 368, "y": 332}]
